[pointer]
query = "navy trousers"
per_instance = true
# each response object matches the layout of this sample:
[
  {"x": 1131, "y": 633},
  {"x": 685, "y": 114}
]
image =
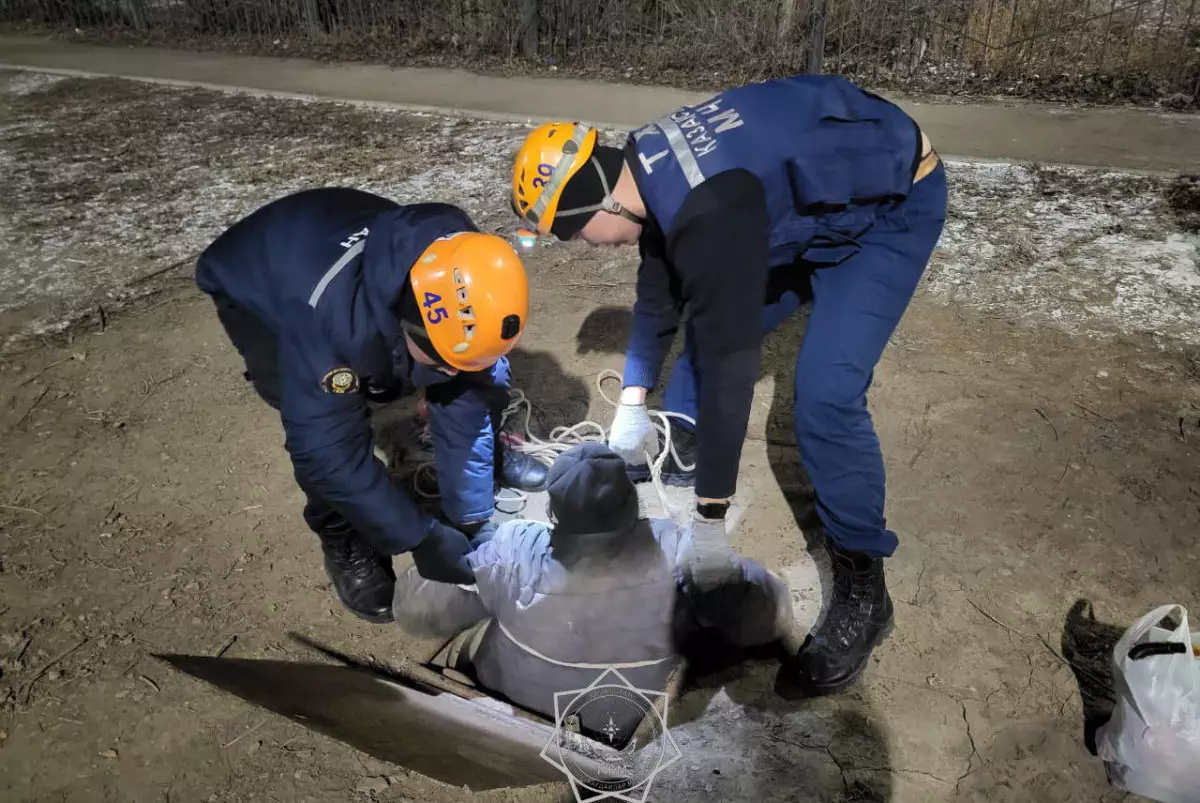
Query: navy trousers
[{"x": 856, "y": 307}]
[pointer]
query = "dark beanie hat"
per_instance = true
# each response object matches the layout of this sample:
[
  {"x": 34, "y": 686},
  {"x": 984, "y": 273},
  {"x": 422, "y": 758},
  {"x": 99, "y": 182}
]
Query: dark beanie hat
[
  {"x": 590, "y": 491},
  {"x": 585, "y": 189}
]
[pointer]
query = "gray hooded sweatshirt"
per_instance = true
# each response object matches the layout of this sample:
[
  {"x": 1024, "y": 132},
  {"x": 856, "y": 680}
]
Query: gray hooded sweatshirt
[{"x": 600, "y": 588}]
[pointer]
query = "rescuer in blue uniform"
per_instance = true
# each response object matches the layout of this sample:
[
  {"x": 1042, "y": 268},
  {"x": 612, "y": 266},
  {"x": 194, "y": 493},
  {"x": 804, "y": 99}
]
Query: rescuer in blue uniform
[
  {"x": 336, "y": 297},
  {"x": 736, "y": 204}
]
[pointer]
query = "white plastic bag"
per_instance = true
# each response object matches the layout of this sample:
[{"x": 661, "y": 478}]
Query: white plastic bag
[{"x": 1152, "y": 742}]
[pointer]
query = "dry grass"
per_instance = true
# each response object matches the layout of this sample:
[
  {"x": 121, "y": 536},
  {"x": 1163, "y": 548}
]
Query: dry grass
[
  {"x": 1083, "y": 35},
  {"x": 1095, "y": 50}
]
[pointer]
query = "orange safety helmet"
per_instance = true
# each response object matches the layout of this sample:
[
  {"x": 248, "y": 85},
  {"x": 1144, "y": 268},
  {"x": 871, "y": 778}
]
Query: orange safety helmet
[
  {"x": 552, "y": 153},
  {"x": 471, "y": 296}
]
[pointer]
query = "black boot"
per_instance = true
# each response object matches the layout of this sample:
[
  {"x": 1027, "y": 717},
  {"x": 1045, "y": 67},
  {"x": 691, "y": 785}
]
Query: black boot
[
  {"x": 363, "y": 578},
  {"x": 520, "y": 471},
  {"x": 860, "y": 616}
]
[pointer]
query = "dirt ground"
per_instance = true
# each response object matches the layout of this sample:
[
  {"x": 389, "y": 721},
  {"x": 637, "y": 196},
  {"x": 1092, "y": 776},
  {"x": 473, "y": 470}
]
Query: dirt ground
[{"x": 1039, "y": 411}]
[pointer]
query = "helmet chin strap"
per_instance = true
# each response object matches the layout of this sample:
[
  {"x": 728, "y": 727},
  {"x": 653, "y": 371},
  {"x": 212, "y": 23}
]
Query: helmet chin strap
[
  {"x": 607, "y": 203},
  {"x": 613, "y": 206},
  {"x": 420, "y": 338}
]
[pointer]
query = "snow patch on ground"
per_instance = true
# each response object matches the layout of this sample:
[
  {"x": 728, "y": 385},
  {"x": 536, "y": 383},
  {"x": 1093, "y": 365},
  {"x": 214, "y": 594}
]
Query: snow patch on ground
[
  {"x": 473, "y": 175},
  {"x": 1085, "y": 251},
  {"x": 110, "y": 181},
  {"x": 120, "y": 180},
  {"x": 24, "y": 83}
]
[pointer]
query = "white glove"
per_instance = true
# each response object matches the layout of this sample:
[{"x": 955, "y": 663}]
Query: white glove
[
  {"x": 633, "y": 435},
  {"x": 707, "y": 555}
]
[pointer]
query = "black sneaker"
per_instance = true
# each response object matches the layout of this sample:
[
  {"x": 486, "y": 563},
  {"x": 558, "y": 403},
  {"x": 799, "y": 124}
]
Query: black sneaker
[
  {"x": 517, "y": 470},
  {"x": 673, "y": 471},
  {"x": 363, "y": 578},
  {"x": 835, "y": 655}
]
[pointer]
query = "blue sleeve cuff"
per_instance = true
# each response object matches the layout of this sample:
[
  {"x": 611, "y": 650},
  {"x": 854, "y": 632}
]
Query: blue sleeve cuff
[{"x": 640, "y": 372}]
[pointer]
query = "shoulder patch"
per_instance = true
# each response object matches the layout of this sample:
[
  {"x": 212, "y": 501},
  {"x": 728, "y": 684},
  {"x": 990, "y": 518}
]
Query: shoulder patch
[{"x": 340, "y": 380}]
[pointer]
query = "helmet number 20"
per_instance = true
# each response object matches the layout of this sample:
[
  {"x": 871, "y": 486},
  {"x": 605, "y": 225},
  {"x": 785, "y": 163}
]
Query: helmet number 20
[
  {"x": 544, "y": 172},
  {"x": 437, "y": 314}
]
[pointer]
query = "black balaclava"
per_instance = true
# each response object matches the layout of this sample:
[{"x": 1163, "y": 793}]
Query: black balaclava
[
  {"x": 413, "y": 323},
  {"x": 586, "y": 189}
]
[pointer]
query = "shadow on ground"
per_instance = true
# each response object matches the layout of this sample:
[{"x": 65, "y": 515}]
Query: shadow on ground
[
  {"x": 765, "y": 749},
  {"x": 558, "y": 398},
  {"x": 1088, "y": 644},
  {"x": 605, "y": 330}
]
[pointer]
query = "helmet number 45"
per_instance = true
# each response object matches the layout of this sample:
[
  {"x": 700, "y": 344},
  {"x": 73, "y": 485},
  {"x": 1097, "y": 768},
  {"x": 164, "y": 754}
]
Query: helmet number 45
[{"x": 437, "y": 314}]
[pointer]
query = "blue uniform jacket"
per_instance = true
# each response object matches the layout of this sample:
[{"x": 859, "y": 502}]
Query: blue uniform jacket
[
  {"x": 760, "y": 177},
  {"x": 831, "y": 157},
  {"x": 323, "y": 270}
]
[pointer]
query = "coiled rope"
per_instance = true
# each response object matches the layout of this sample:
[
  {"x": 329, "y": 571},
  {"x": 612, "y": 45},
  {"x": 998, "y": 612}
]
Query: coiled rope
[{"x": 562, "y": 439}]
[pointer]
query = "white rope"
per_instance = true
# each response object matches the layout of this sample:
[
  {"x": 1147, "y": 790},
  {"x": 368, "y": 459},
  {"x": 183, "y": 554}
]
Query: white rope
[
  {"x": 564, "y": 438},
  {"x": 549, "y": 660}
]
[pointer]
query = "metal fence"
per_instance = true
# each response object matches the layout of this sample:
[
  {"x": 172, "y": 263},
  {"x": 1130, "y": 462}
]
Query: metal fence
[{"x": 1086, "y": 49}]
